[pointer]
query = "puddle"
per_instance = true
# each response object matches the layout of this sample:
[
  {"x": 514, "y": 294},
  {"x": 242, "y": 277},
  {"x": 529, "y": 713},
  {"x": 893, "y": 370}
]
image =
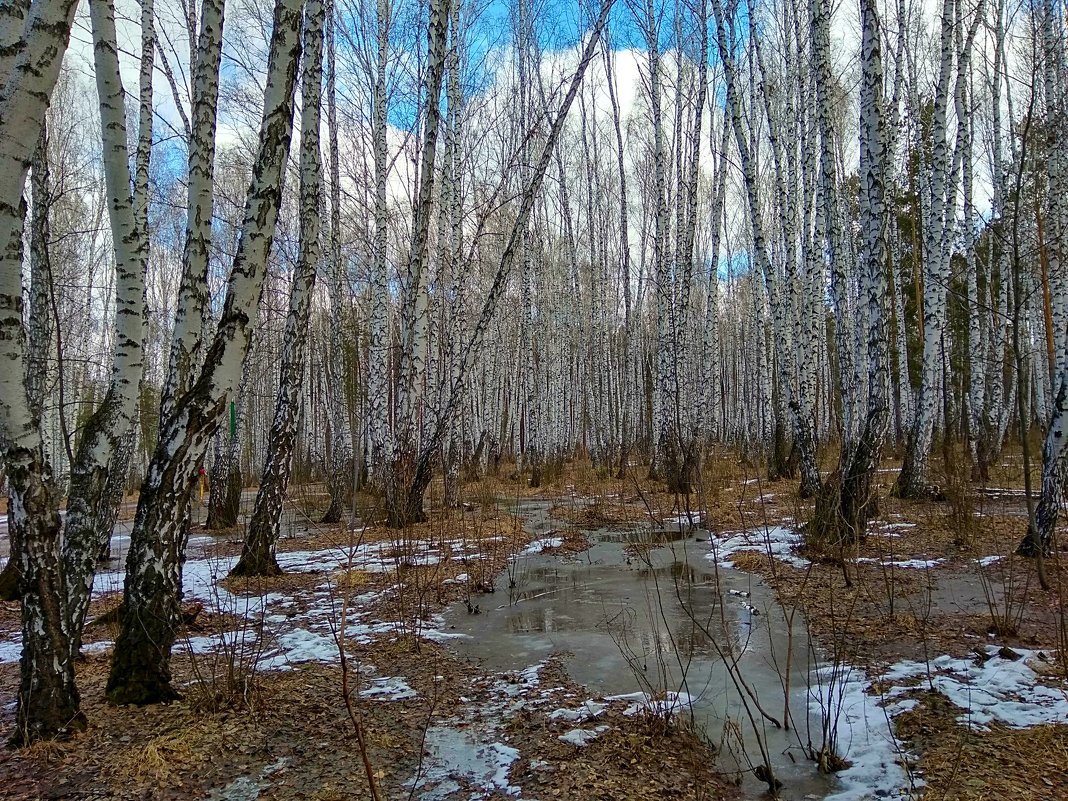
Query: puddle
[{"x": 672, "y": 621}]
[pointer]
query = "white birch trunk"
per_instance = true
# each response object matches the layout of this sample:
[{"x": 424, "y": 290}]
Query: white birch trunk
[
  {"x": 48, "y": 704},
  {"x": 84, "y": 537},
  {"x": 140, "y": 670},
  {"x": 258, "y": 553},
  {"x": 912, "y": 482},
  {"x": 378, "y": 357}
]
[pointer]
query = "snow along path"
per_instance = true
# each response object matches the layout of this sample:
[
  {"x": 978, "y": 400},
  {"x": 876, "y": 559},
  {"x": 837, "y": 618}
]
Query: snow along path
[
  {"x": 470, "y": 750},
  {"x": 296, "y": 628}
]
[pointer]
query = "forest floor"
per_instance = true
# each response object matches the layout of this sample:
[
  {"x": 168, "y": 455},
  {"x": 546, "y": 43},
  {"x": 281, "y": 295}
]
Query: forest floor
[
  {"x": 950, "y": 632},
  {"x": 265, "y": 714}
]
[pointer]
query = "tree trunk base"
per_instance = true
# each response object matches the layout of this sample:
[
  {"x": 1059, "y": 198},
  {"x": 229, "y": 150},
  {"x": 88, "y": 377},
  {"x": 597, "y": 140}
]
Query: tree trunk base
[
  {"x": 9, "y": 581},
  {"x": 140, "y": 692},
  {"x": 333, "y": 513},
  {"x": 917, "y": 492},
  {"x": 58, "y": 722},
  {"x": 808, "y": 488},
  {"x": 224, "y": 506},
  {"x": 1032, "y": 545},
  {"x": 256, "y": 565},
  {"x": 783, "y": 460}
]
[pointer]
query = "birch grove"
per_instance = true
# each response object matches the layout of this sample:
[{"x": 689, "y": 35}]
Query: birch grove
[{"x": 826, "y": 240}]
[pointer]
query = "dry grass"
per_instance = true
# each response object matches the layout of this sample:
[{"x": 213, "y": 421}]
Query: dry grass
[{"x": 962, "y": 764}]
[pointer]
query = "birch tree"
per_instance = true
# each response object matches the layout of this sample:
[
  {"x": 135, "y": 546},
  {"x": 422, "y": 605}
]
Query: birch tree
[
  {"x": 846, "y": 501},
  {"x": 41, "y": 322},
  {"x": 84, "y": 536},
  {"x": 414, "y": 304},
  {"x": 1039, "y": 538},
  {"x": 140, "y": 669},
  {"x": 48, "y": 703},
  {"x": 258, "y": 552},
  {"x": 407, "y": 486},
  {"x": 937, "y": 224},
  {"x": 378, "y": 442},
  {"x": 341, "y": 465}
]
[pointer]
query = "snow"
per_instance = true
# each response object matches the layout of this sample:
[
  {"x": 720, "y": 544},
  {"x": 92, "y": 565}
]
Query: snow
[
  {"x": 389, "y": 688},
  {"x": 911, "y": 564},
  {"x": 689, "y": 519},
  {"x": 452, "y": 754},
  {"x": 1001, "y": 690},
  {"x": 987, "y": 561},
  {"x": 664, "y": 707},
  {"x": 545, "y": 543},
  {"x": 581, "y": 737},
  {"x": 10, "y": 651},
  {"x": 588, "y": 709},
  {"x": 239, "y": 641},
  {"x": 299, "y": 645},
  {"x": 888, "y": 530},
  {"x": 864, "y": 734},
  {"x": 437, "y": 635},
  {"x": 247, "y": 788},
  {"x": 779, "y": 542}
]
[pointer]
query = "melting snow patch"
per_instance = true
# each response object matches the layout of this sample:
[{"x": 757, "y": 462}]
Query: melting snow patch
[
  {"x": 1000, "y": 689},
  {"x": 389, "y": 688},
  {"x": 688, "y": 519},
  {"x": 581, "y": 737},
  {"x": 242, "y": 640},
  {"x": 587, "y": 710},
  {"x": 864, "y": 735},
  {"x": 543, "y": 544},
  {"x": 245, "y": 788},
  {"x": 914, "y": 564},
  {"x": 987, "y": 561},
  {"x": 453, "y": 754},
  {"x": 432, "y": 630},
  {"x": 778, "y": 542},
  {"x": 889, "y": 530},
  {"x": 300, "y": 645},
  {"x": 10, "y": 651},
  {"x": 671, "y": 704}
]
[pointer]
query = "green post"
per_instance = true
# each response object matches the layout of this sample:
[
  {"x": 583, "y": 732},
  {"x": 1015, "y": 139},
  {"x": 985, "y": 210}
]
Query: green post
[{"x": 233, "y": 419}]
